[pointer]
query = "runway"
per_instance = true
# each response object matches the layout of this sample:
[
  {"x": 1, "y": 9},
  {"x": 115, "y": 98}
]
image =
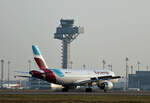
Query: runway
[{"x": 49, "y": 92}]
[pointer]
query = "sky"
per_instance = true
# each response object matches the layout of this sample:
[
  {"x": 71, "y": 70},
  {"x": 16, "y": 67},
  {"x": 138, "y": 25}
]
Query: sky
[{"x": 113, "y": 30}]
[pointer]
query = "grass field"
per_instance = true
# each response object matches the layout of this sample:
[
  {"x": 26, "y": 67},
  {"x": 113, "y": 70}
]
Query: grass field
[{"x": 73, "y": 98}]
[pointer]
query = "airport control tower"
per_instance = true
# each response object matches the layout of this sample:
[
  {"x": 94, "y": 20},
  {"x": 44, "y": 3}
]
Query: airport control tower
[{"x": 67, "y": 32}]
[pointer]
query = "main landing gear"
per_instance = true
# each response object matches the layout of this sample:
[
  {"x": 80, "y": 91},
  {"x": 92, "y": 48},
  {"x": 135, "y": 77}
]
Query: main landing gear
[
  {"x": 65, "y": 89},
  {"x": 105, "y": 91},
  {"x": 88, "y": 90}
]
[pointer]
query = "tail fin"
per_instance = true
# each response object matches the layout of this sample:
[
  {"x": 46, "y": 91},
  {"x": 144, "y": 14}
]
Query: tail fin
[{"x": 38, "y": 58}]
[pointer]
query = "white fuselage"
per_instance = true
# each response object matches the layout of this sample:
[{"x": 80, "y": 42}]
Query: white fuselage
[{"x": 77, "y": 75}]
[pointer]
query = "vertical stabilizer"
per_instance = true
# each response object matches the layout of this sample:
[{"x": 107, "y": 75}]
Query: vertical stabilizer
[{"x": 38, "y": 57}]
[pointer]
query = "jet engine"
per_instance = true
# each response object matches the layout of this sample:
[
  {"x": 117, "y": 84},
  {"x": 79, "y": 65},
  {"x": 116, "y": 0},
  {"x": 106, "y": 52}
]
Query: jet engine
[{"x": 105, "y": 85}]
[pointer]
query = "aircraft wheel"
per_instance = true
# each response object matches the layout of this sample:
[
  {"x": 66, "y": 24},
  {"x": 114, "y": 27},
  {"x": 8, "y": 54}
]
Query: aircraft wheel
[
  {"x": 105, "y": 91},
  {"x": 65, "y": 89},
  {"x": 88, "y": 90}
]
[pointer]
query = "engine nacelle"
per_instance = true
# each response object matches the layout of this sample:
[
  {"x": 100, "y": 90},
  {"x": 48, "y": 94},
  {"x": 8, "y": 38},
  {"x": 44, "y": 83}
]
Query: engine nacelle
[{"x": 105, "y": 85}]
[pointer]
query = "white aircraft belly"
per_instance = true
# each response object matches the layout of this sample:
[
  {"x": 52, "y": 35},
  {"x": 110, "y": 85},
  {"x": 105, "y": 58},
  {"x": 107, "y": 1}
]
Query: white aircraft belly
[{"x": 69, "y": 79}]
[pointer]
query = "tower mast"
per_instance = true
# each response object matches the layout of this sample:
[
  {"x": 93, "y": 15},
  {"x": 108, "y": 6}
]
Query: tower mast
[{"x": 67, "y": 32}]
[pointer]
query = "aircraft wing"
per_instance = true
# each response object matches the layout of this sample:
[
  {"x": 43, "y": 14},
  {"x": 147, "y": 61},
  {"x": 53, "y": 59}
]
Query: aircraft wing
[
  {"x": 108, "y": 77},
  {"x": 94, "y": 79},
  {"x": 81, "y": 82}
]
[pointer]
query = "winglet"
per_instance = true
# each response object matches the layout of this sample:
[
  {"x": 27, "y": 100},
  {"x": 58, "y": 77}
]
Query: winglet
[{"x": 38, "y": 58}]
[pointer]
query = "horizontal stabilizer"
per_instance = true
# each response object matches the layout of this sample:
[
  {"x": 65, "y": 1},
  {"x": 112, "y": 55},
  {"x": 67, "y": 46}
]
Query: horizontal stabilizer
[{"x": 22, "y": 76}]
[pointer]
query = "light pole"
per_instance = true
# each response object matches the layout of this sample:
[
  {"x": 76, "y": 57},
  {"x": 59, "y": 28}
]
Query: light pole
[
  {"x": 2, "y": 72},
  {"x": 138, "y": 63},
  {"x": 110, "y": 66},
  {"x": 104, "y": 62},
  {"x": 147, "y": 67},
  {"x": 71, "y": 63},
  {"x": 84, "y": 66},
  {"x": 8, "y": 72},
  {"x": 131, "y": 69},
  {"x": 127, "y": 59},
  {"x": 29, "y": 63}
]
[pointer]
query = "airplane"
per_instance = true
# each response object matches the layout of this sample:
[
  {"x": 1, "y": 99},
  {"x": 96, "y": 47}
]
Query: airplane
[
  {"x": 12, "y": 85},
  {"x": 71, "y": 78}
]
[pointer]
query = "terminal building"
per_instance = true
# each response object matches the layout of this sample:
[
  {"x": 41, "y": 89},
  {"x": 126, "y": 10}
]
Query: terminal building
[
  {"x": 35, "y": 83},
  {"x": 139, "y": 80}
]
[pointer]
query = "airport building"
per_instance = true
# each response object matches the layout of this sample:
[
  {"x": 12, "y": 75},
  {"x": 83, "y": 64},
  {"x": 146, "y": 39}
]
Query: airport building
[
  {"x": 35, "y": 83},
  {"x": 120, "y": 85},
  {"x": 139, "y": 80}
]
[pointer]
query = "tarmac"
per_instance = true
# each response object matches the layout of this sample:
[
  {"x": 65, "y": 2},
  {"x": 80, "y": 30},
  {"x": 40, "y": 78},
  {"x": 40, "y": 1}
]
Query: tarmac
[{"x": 49, "y": 92}]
